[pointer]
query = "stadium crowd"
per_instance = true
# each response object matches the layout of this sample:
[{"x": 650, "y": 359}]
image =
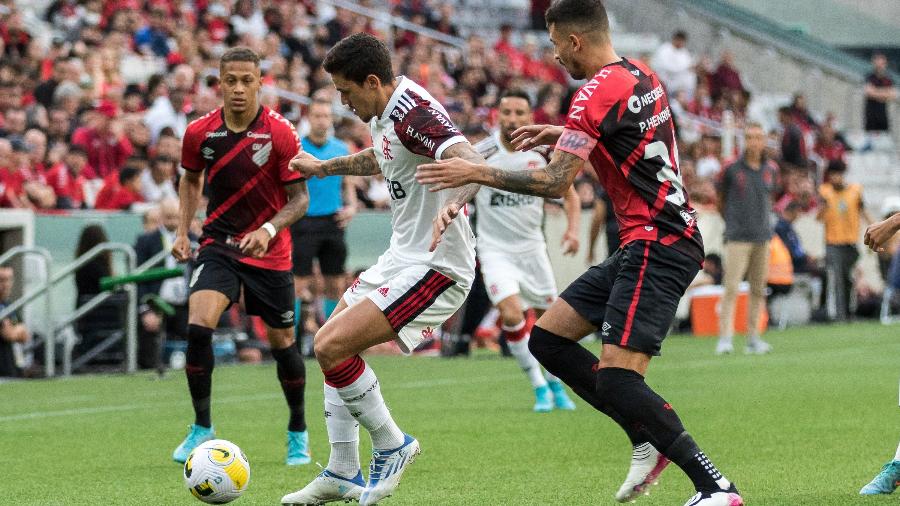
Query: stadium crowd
[{"x": 96, "y": 94}]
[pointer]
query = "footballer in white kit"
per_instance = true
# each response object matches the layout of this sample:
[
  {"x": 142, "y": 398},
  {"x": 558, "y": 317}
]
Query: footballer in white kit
[
  {"x": 512, "y": 250},
  {"x": 419, "y": 282},
  {"x": 416, "y": 289}
]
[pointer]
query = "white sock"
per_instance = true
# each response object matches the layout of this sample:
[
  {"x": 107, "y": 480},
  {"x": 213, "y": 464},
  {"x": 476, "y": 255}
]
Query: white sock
[
  {"x": 551, "y": 378},
  {"x": 363, "y": 399},
  {"x": 897, "y": 455},
  {"x": 343, "y": 434},
  {"x": 527, "y": 362},
  {"x": 490, "y": 318}
]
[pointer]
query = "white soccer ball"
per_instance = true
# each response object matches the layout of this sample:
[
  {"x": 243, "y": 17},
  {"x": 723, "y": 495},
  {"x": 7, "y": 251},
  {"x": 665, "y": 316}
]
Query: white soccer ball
[{"x": 217, "y": 472}]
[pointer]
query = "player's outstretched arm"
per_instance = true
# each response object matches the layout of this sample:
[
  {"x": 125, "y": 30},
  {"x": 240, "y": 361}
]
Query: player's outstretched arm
[
  {"x": 551, "y": 181},
  {"x": 878, "y": 234},
  {"x": 459, "y": 151},
  {"x": 531, "y": 136},
  {"x": 190, "y": 189},
  {"x": 256, "y": 243},
  {"x": 357, "y": 164}
]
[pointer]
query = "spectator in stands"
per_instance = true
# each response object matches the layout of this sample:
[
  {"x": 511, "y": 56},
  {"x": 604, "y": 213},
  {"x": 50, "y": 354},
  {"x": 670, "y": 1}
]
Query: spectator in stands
[
  {"x": 674, "y": 65},
  {"x": 167, "y": 111},
  {"x": 59, "y": 126},
  {"x": 87, "y": 278},
  {"x": 12, "y": 330},
  {"x": 154, "y": 38},
  {"x": 841, "y": 209},
  {"x": 120, "y": 191},
  {"x": 709, "y": 164},
  {"x": 802, "y": 117},
  {"x": 880, "y": 91},
  {"x": 793, "y": 146},
  {"x": 105, "y": 142},
  {"x": 726, "y": 77},
  {"x": 828, "y": 147},
  {"x": 784, "y": 228},
  {"x": 43, "y": 93},
  {"x": 67, "y": 180},
  {"x": 745, "y": 201},
  {"x": 158, "y": 183},
  {"x": 173, "y": 290},
  {"x": 36, "y": 142}
]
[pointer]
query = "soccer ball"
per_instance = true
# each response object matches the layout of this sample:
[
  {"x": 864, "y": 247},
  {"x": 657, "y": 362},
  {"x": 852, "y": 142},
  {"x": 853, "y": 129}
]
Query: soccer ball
[{"x": 217, "y": 472}]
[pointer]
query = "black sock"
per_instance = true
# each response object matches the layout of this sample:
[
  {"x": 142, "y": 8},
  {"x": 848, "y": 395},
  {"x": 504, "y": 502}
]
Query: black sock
[
  {"x": 198, "y": 368},
  {"x": 575, "y": 366},
  {"x": 638, "y": 403},
  {"x": 292, "y": 375}
]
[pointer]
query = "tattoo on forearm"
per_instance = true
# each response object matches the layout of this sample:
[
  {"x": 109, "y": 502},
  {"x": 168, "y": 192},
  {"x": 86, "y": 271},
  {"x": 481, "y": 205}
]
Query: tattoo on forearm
[
  {"x": 298, "y": 202},
  {"x": 359, "y": 164},
  {"x": 464, "y": 150},
  {"x": 551, "y": 181}
]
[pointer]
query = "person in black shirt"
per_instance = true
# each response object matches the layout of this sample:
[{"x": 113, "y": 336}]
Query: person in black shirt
[
  {"x": 12, "y": 330},
  {"x": 879, "y": 91}
]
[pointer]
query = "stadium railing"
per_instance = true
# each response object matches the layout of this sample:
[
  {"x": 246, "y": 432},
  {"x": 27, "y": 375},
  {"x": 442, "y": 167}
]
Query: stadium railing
[{"x": 398, "y": 22}]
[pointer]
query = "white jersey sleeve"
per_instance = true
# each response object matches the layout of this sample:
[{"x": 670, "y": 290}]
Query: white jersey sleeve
[
  {"x": 509, "y": 222},
  {"x": 415, "y": 129}
]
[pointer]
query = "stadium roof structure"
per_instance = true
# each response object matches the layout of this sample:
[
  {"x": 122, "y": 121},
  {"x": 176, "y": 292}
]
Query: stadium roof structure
[{"x": 832, "y": 22}]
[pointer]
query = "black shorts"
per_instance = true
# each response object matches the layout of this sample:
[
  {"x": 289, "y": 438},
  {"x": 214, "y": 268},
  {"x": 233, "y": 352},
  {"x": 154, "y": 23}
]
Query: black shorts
[
  {"x": 318, "y": 237},
  {"x": 268, "y": 294},
  {"x": 632, "y": 296}
]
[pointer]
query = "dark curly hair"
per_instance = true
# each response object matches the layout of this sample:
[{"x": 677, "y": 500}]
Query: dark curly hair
[{"x": 357, "y": 57}]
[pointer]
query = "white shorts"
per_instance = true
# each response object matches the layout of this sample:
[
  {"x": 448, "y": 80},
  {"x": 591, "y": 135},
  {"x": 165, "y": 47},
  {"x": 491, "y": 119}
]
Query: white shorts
[
  {"x": 415, "y": 299},
  {"x": 529, "y": 276}
]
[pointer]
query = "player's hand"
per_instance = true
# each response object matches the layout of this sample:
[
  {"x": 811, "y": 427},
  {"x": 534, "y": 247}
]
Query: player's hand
[
  {"x": 181, "y": 248},
  {"x": 878, "y": 234},
  {"x": 307, "y": 164},
  {"x": 441, "y": 222},
  {"x": 450, "y": 173},
  {"x": 570, "y": 243},
  {"x": 344, "y": 215},
  {"x": 530, "y": 136},
  {"x": 256, "y": 243}
]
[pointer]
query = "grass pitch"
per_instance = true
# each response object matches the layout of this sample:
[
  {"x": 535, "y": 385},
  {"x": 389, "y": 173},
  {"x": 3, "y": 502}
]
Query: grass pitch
[{"x": 807, "y": 425}]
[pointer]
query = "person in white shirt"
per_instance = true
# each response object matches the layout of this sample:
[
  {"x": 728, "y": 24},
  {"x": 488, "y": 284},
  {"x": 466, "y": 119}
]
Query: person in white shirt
[
  {"x": 512, "y": 249},
  {"x": 674, "y": 65},
  {"x": 158, "y": 183},
  {"x": 419, "y": 282}
]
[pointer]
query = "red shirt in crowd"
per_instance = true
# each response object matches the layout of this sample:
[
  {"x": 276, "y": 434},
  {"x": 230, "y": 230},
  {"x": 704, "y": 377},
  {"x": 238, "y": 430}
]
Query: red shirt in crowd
[
  {"x": 113, "y": 196},
  {"x": 105, "y": 155},
  {"x": 66, "y": 184}
]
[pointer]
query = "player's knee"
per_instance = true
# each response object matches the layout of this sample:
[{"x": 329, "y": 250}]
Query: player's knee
[
  {"x": 613, "y": 383},
  {"x": 544, "y": 343},
  {"x": 325, "y": 346}
]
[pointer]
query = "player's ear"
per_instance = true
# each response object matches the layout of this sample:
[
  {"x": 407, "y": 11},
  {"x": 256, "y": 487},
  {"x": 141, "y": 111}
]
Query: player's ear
[{"x": 373, "y": 82}]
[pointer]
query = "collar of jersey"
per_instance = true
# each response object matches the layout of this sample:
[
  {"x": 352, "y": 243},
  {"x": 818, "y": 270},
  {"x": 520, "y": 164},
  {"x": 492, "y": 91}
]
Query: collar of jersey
[
  {"x": 249, "y": 127},
  {"x": 402, "y": 83}
]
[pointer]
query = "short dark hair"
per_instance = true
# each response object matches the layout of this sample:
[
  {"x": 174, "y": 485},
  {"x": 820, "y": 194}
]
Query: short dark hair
[
  {"x": 585, "y": 13},
  {"x": 836, "y": 167},
  {"x": 239, "y": 54},
  {"x": 127, "y": 174},
  {"x": 516, "y": 93},
  {"x": 680, "y": 34},
  {"x": 357, "y": 57},
  {"x": 76, "y": 149}
]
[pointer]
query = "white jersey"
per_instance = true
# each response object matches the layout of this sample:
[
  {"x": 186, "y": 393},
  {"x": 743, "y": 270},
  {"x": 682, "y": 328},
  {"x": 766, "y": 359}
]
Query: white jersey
[
  {"x": 509, "y": 222},
  {"x": 415, "y": 129}
]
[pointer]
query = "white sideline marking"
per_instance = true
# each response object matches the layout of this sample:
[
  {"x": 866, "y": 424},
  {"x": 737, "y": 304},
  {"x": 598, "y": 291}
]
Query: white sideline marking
[{"x": 35, "y": 415}]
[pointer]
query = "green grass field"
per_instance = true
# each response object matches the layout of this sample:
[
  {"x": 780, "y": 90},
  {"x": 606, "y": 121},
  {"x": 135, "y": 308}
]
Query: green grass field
[{"x": 807, "y": 425}]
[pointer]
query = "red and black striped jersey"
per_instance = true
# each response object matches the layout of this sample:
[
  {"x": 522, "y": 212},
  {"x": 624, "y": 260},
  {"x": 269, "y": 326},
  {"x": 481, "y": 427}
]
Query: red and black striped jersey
[
  {"x": 620, "y": 121},
  {"x": 246, "y": 173}
]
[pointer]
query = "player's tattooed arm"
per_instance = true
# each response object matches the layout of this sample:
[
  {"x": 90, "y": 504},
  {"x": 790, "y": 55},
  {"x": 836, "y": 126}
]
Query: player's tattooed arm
[
  {"x": 297, "y": 204},
  {"x": 464, "y": 151},
  {"x": 256, "y": 243},
  {"x": 458, "y": 200},
  {"x": 551, "y": 181},
  {"x": 358, "y": 164}
]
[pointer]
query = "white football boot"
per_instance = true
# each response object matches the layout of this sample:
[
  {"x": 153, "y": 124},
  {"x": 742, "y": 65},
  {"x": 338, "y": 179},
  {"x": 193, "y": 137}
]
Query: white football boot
[
  {"x": 325, "y": 488},
  {"x": 646, "y": 466}
]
